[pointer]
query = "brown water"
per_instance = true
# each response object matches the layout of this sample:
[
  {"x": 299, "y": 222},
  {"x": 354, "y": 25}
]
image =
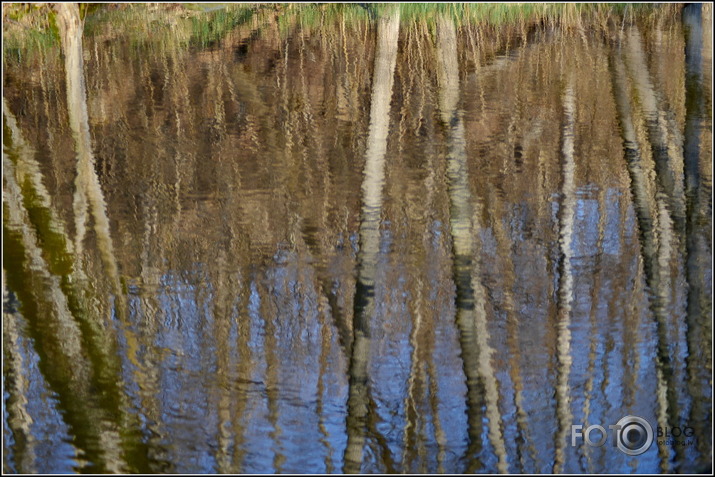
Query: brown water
[{"x": 374, "y": 246}]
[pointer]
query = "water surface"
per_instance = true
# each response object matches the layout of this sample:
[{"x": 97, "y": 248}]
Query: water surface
[{"x": 358, "y": 245}]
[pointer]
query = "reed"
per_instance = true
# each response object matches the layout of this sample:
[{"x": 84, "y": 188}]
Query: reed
[{"x": 29, "y": 28}]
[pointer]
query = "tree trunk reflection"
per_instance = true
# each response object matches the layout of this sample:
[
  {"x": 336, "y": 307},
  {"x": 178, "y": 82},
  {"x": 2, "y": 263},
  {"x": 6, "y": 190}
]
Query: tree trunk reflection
[{"x": 374, "y": 177}]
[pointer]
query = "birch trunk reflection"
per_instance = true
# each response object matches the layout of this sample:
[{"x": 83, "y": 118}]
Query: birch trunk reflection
[
  {"x": 499, "y": 212},
  {"x": 524, "y": 441},
  {"x": 593, "y": 337},
  {"x": 105, "y": 432},
  {"x": 422, "y": 394},
  {"x": 647, "y": 216},
  {"x": 374, "y": 177},
  {"x": 57, "y": 336},
  {"x": 565, "y": 290},
  {"x": 88, "y": 191},
  {"x": 698, "y": 243},
  {"x": 15, "y": 384},
  {"x": 664, "y": 136},
  {"x": 482, "y": 386},
  {"x": 86, "y": 344},
  {"x": 70, "y": 27}
]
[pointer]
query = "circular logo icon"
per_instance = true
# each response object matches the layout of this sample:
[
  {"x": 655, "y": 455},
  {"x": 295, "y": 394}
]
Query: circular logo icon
[{"x": 634, "y": 435}]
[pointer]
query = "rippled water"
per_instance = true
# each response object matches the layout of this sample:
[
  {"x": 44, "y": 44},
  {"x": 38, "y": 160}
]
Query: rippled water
[{"x": 359, "y": 245}]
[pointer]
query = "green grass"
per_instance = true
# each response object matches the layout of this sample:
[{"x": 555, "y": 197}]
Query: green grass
[
  {"x": 519, "y": 14},
  {"x": 169, "y": 24},
  {"x": 209, "y": 28},
  {"x": 28, "y": 28}
]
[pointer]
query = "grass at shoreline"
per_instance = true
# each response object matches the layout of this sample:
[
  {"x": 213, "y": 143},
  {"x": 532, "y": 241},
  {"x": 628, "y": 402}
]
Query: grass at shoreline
[{"x": 29, "y": 28}]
